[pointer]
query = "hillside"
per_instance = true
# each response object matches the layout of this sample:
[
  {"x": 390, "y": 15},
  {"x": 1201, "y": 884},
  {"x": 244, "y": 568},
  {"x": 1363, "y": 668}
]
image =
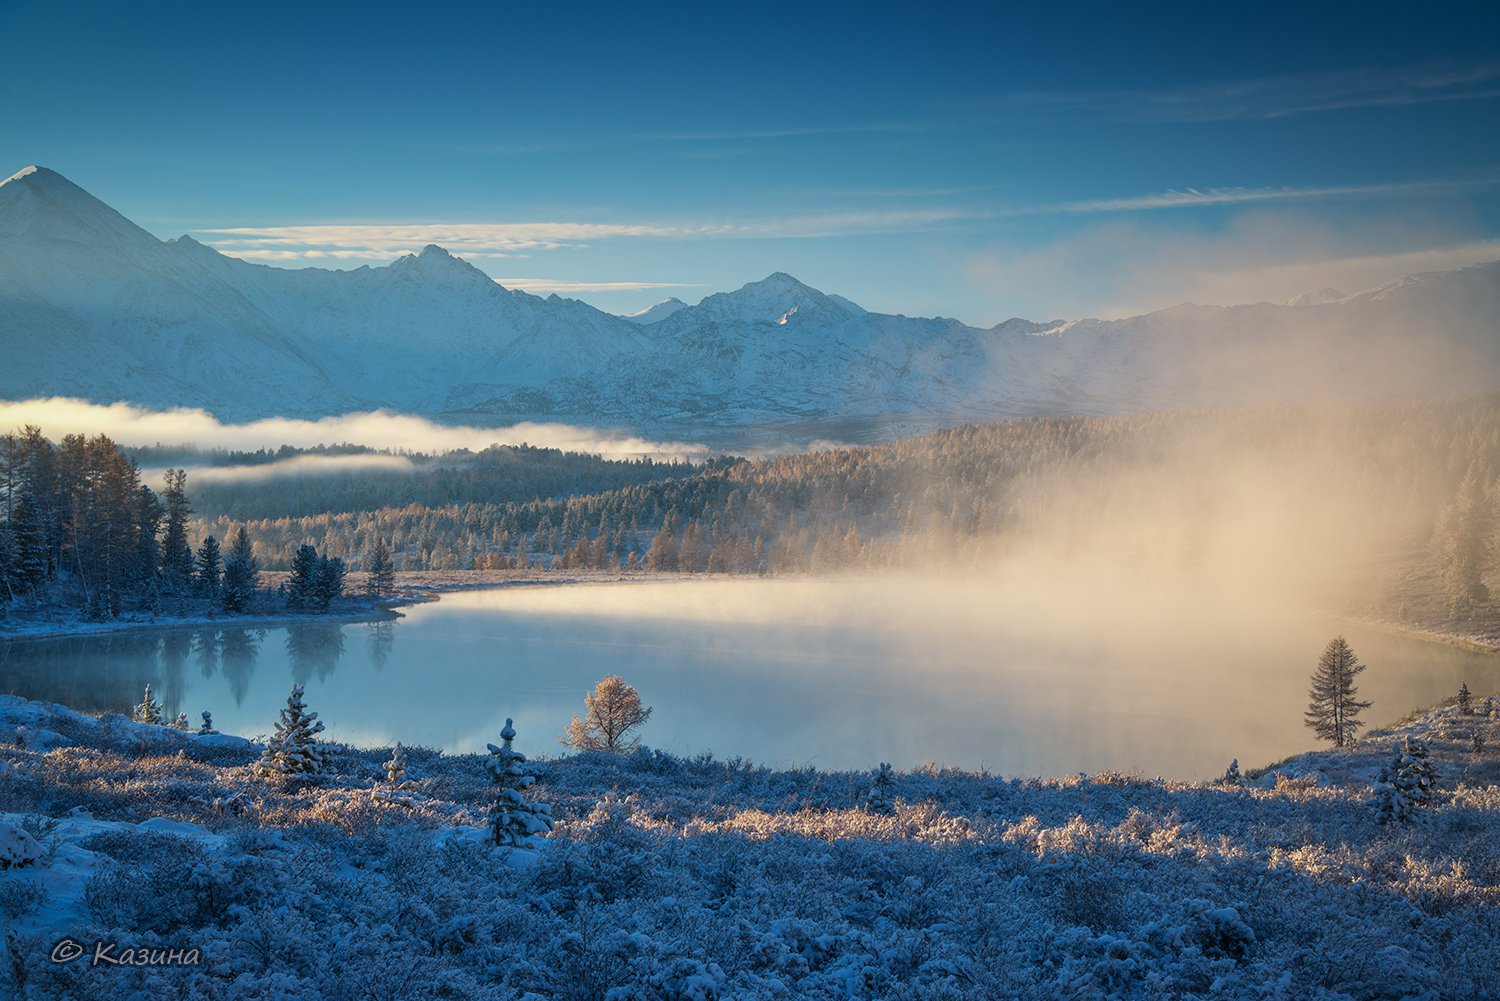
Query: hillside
[
  {"x": 99, "y": 309},
  {"x": 669, "y": 878}
]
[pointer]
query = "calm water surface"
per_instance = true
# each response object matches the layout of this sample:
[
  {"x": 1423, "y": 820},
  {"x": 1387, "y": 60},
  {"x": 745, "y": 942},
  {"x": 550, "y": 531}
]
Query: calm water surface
[{"x": 837, "y": 674}]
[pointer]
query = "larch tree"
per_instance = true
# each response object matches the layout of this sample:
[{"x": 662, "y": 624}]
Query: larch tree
[
  {"x": 380, "y": 580},
  {"x": 1332, "y": 708},
  {"x": 613, "y": 710}
]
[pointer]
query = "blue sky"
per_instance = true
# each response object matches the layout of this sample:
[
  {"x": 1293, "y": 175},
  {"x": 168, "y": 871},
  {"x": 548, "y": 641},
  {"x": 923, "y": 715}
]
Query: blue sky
[{"x": 978, "y": 161}]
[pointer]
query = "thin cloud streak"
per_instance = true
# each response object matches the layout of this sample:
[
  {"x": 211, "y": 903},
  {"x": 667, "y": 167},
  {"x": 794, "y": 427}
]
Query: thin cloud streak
[
  {"x": 387, "y": 241},
  {"x": 1270, "y": 98}
]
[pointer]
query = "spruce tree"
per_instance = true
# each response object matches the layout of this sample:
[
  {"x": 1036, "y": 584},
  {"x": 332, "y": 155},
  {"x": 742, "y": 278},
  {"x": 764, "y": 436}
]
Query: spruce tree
[
  {"x": 514, "y": 820},
  {"x": 180, "y": 722},
  {"x": 381, "y": 580},
  {"x": 293, "y": 749},
  {"x": 208, "y": 723},
  {"x": 238, "y": 587},
  {"x": 1232, "y": 776},
  {"x": 1404, "y": 784},
  {"x": 1465, "y": 700},
  {"x": 1332, "y": 709},
  {"x": 299, "y": 585},
  {"x": 210, "y": 566},
  {"x": 882, "y": 795},
  {"x": 176, "y": 554},
  {"x": 149, "y": 711},
  {"x": 397, "y": 789},
  {"x": 328, "y": 582}
]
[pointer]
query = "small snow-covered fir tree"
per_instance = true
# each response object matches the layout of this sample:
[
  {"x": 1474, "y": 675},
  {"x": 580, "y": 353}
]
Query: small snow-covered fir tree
[
  {"x": 882, "y": 796},
  {"x": 293, "y": 748},
  {"x": 149, "y": 711},
  {"x": 1404, "y": 784},
  {"x": 1465, "y": 700},
  {"x": 397, "y": 789},
  {"x": 514, "y": 820},
  {"x": 1232, "y": 776},
  {"x": 208, "y": 723},
  {"x": 180, "y": 722}
]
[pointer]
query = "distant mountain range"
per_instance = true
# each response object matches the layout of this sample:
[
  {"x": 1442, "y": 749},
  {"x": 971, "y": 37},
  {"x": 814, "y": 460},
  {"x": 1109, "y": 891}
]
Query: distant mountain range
[{"x": 93, "y": 306}]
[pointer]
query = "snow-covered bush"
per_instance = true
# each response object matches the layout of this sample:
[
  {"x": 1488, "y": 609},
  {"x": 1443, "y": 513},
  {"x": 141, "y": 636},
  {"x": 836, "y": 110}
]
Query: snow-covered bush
[
  {"x": 17, "y": 847},
  {"x": 293, "y": 749},
  {"x": 1232, "y": 776},
  {"x": 208, "y": 723},
  {"x": 513, "y": 820}
]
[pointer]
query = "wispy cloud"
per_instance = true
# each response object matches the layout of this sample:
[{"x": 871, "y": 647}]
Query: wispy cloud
[
  {"x": 1267, "y": 98},
  {"x": 537, "y": 285},
  {"x": 348, "y": 242}
]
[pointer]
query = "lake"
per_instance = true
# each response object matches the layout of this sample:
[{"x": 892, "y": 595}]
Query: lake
[{"x": 837, "y": 674}]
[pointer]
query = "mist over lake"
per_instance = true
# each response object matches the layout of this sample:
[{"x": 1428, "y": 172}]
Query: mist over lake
[{"x": 839, "y": 674}]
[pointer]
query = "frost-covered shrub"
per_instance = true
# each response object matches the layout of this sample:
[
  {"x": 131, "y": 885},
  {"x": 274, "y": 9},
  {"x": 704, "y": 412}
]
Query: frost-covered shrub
[
  {"x": 17, "y": 847},
  {"x": 1232, "y": 776}
]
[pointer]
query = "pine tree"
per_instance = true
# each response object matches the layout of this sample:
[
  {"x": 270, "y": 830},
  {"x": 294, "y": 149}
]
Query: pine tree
[
  {"x": 149, "y": 711},
  {"x": 514, "y": 820},
  {"x": 299, "y": 585},
  {"x": 398, "y": 789},
  {"x": 381, "y": 580},
  {"x": 176, "y": 554},
  {"x": 1332, "y": 709},
  {"x": 328, "y": 582},
  {"x": 1465, "y": 700},
  {"x": 293, "y": 749},
  {"x": 1404, "y": 784},
  {"x": 613, "y": 710},
  {"x": 210, "y": 566},
  {"x": 882, "y": 795},
  {"x": 1232, "y": 776}
]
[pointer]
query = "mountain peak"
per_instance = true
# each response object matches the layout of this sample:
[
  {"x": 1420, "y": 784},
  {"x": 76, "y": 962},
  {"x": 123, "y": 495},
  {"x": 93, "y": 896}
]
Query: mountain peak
[
  {"x": 35, "y": 201},
  {"x": 657, "y": 311},
  {"x": 778, "y": 298}
]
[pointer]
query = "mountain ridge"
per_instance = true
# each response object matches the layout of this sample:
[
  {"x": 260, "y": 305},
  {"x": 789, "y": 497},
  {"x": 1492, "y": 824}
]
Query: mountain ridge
[{"x": 96, "y": 307}]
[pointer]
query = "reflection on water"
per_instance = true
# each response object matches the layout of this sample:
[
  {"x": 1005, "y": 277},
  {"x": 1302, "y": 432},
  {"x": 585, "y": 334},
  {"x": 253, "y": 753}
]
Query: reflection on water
[{"x": 836, "y": 674}]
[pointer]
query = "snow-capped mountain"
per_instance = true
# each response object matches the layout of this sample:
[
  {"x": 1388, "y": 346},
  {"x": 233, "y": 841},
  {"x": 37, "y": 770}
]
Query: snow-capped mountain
[
  {"x": 95, "y": 307},
  {"x": 657, "y": 311}
]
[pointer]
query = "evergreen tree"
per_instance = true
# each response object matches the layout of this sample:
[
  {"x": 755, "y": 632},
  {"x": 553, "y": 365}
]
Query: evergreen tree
[
  {"x": 1404, "y": 784},
  {"x": 293, "y": 749},
  {"x": 299, "y": 585},
  {"x": 241, "y": 549},
  {"x": 1232, "y": 776},
  {"x": 149, "y": 710},
  {"x": 238, "y": 585},
  {"x": 398, "y": 789},
  {"x": 148, "y": 515},
  {"x": 328, "y": 582},
  {"x": 179, "y": 722},
  {"x": 210, "y": 566},
  {"x": 381, "y": 582},
  {"x": 1332, "y": 709},
  {"x": 208, "y": 723},
  {"x": 613, "y": 710},
  {"x": 176, "y": 554},
  {"x": 514, "y": 820},
  {"x": 882, "y": 796},
  {"x": 1465, "y": 700},
  {"x": 28, "y": 536}
]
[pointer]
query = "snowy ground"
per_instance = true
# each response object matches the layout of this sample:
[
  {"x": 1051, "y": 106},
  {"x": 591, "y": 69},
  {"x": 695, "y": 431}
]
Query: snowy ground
[{"x": 670, "y": 878}]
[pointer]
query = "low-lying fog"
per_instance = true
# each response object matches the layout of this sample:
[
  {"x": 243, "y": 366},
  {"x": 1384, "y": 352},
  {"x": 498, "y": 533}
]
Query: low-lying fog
[{"x": 1021, "y": 675}]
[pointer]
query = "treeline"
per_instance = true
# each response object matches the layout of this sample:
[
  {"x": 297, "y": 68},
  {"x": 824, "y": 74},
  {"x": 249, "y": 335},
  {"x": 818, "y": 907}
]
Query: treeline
[
  {"x": 78, "y": 528},
  {"x": 1423, "y": 478},
  {"x": 498, "y": 474}
]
